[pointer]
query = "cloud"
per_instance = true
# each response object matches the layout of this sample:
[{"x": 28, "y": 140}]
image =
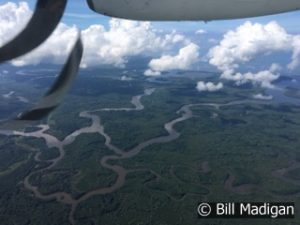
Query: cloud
[
  {"x": 263, "y": 78},
  {"x": 13, "y": 17},
  {"x": 124, "y": 39},
  {"x": 200, "y": 31},
  {"x": 209, "y": 86},
  {"x": 185, "y": 59},
  {"x": 103, "y": 46},
  {"x": 296, "y": 53},
  {"x": 125, "y": 78},
  {"x": 150, "y": 72},
  {"x": 245, "y": 43},
  {"x": 54, "y": 50},
  {"x": 263, "y": 97}
]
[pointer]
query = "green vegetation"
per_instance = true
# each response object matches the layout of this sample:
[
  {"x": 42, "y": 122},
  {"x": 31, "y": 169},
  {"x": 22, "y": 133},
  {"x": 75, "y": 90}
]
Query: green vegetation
[{"x": 164, "y": 183}]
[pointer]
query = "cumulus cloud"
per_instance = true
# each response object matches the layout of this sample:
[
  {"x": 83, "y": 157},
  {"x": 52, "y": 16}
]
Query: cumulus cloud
[
  {"x": 54, "y": 50},
  {"x": 245, "y": 43},
  {"x": 263, "y": 97},
  {"x": 263, "y": 78},
  {"x": 13, "y": 17},
  {"x": 111, "y": 46},
  {"x": 124, "y": 39},
  {"x": 185, "y": 59},
  {"x": 209, "y": 86}
]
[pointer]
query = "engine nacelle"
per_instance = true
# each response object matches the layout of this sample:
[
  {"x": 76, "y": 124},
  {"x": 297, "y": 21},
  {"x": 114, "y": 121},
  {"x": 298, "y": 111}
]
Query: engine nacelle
[{"x": 206, "y": 10}]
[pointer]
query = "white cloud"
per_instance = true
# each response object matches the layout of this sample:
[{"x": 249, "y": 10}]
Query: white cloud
[
  {"x": 245, "y": 43},
  {"x": 125, "y": 78},
  {"x": 296, "y": 53},
  {"x": 124, "y": 39},
  {"x": 209, "y": 86},
  {"x": 263, "y": 97},
  {"x": 200, "y": 31},
  {"x": 110, "y": 46},
  {"x": 263, "y": 78},
  {"x": 150, "y": 72},
  {"x": 54, "y": 50},
  {"x": 185, "y": 59},
  {"x": 13, "y": 17}
]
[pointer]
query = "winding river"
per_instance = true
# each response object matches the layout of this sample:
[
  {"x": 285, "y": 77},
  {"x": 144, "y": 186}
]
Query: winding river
[{"x": 184, "y": 113}]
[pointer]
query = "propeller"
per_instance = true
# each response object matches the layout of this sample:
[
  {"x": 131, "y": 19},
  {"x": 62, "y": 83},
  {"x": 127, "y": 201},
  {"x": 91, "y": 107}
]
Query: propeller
[
  {"x": 55, "y": 94},
  {"x": 43, "y": 22},
  {"x": 45, "y": 19}
]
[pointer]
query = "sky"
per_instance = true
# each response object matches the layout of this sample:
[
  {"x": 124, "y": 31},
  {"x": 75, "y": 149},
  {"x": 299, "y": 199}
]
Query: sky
[{"x": 226, "y": 45}]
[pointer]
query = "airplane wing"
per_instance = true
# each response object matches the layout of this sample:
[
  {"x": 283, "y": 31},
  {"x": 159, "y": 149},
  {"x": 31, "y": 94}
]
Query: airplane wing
[
  {"x": 175, "y": 10},
  {"x": 54, "y": 96},
  {"x": 45, "y": 18}
]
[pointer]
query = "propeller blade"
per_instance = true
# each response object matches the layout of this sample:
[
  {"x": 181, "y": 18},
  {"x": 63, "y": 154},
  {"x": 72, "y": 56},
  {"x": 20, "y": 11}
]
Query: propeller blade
[
  {"x": 45, "y": 19},
  {"x": 54, "y": 96}
]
